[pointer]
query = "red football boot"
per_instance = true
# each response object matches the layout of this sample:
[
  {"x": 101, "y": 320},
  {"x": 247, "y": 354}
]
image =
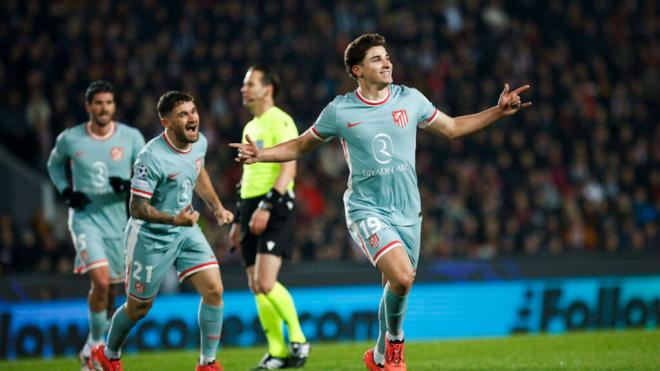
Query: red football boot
[
  {"x": 369, "y": 361},
  {"x": 99, "y": 359},
  {"x": 394, "y": 360},
  {"x": 215, "y": 366}
]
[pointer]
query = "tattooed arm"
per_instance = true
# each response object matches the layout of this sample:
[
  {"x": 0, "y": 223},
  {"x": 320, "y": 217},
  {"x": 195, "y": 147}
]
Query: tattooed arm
[{"x": 141, "y": 209}]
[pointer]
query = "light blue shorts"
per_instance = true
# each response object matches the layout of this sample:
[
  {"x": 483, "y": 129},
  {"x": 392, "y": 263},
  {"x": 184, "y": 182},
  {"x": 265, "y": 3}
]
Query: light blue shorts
[
  {"x": 148, "y": 259},
  {"x": 376, "y": 236},
  {"x": 94, "y": 251}
]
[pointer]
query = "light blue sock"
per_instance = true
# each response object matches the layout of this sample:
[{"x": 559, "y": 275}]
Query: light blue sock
[
  {"x": 379, "y": 355},
  {"x": 98, "y": 323},
  {"x": 120, "y": 326},
  {"x": 209, "y": 318},
  {"x": 395, "y": 309}
]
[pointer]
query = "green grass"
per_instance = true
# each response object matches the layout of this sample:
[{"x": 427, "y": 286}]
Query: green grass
[{"x": 615, "y": 350}]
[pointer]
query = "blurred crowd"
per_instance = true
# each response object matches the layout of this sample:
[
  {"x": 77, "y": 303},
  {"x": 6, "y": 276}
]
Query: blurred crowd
[{"x": 578, "y": 171}]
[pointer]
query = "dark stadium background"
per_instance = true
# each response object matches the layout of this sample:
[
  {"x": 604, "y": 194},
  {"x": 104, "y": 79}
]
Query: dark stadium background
[{"x": 568, "y": 188}]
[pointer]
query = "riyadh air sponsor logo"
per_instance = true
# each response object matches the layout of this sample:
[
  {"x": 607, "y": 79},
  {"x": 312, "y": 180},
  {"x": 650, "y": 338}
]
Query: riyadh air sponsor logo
[
  {"x": 353, "y": 124},
  {"x": 387, "y": 170},
  {"x": 381, "y": 147},
  {"x": 400, "y": 118}
]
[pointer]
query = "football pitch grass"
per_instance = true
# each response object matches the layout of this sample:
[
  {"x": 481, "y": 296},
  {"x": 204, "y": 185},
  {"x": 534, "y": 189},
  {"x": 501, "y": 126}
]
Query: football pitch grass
[{"x": 604, "y": 350}]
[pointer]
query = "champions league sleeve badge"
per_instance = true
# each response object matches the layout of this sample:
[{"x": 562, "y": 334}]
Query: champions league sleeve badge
[{"x": 141, "y": 171}]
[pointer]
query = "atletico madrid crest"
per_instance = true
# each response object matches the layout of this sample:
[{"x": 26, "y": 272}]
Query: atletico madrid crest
[
  {"x": 139, "y": 287},
  {"x": 117, "y": 153},
  {"x": 374, "y": 240},
  {"x": 400, "y": 118}
]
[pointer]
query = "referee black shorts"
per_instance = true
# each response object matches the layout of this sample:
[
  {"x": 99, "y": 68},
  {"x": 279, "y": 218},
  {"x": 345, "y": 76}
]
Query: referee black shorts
[{"x": 278, "y": 237}]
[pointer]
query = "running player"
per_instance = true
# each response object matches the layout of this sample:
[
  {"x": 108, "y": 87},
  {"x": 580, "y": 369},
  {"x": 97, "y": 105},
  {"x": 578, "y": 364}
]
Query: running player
[
  {"x": 377, "y": 127},
  {"x": 100, "y": 154},
  {"x": 163, "y": 232},
  {"x": 263, "y": 229}
]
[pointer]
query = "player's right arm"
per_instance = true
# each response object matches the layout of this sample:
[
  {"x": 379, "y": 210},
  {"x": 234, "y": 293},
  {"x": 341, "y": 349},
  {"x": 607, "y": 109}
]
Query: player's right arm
[
  {"x": 322, "y": 131},
  {"x": 293, "y": 149},
  {"x": 57, "y": 161},
  {"x": 141, "y": 209}
]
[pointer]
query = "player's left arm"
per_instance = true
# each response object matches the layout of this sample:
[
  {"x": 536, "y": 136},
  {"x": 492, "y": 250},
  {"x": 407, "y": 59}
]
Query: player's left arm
[
  {"x": 456, "y": 127},
  {"x": 204, "y": 189}
]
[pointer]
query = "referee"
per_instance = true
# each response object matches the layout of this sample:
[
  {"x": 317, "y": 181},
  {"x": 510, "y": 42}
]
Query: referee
[{"x": 263, "y": 228}]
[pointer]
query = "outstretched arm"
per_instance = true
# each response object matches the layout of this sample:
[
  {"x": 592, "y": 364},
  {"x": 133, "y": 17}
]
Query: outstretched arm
[
  {"x": 249, "y": 153},
  {"x": 450, "y": 127},
  {"x": 204, "y": 189}
]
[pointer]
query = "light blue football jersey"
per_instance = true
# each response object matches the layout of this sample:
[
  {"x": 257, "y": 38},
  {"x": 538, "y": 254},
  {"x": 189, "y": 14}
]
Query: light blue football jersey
[
  {"x": 93, "y": 159},
  {"x": 379, "y": 141},
  {"x": 167, "y": 176}
]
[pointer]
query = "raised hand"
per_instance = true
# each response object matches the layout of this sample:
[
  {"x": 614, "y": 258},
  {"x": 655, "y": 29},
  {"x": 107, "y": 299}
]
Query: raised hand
[
  {"x": 186, "y": 217},
  {"x": 510, "y": 102},
  {"x": 247, "y": 152}
]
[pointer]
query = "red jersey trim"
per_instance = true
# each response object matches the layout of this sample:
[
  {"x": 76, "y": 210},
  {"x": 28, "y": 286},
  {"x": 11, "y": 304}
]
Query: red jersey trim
[
  {"x": 433, "y": 117},
  {"x": 371, "y": 102},
  {"x": 141, "y": 193},
  {"x": 167, "y": 140},
  {"x": 386, "y": 249},
  {"x": 91, "y": 265},
  {"x": 196, "y": 269},
  {"x": 317, "y": 134}
]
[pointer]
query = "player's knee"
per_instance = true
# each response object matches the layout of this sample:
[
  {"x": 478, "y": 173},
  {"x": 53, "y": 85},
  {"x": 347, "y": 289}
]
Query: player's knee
[
  {"x": 137, "y": 310},
  {"x": 212, "y": 294},
  {"x": 101, "y": 287},
  {"x": 402, "y": 283}
]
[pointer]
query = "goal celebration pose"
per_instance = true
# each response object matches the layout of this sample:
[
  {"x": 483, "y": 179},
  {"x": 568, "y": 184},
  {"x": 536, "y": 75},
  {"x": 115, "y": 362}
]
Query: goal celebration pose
[{"x": 377, "y": 127}]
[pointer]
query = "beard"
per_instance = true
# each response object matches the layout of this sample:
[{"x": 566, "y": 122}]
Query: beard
[
  {"x": 102, "y": 120},
  {"x": 183, "y": 137}
]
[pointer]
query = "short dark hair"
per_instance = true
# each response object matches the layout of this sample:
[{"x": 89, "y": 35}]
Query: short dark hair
[
  {"x": 357, "y": 49},
  {"x": 269, "y": 77},
  {"x": 98, "y": 86},
  {"x": 171, "y": 99}
]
